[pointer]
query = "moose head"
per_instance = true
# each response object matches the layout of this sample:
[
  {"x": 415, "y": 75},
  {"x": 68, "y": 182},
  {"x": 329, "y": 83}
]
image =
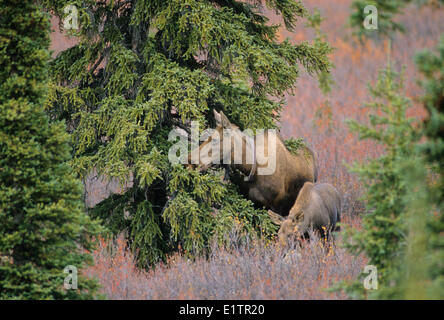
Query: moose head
[
  {"x": 289, "y": 226},
  {"x": 225, "y": 144}
]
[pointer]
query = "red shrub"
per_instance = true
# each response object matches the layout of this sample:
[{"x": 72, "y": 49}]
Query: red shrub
[{"x": 254, "y": 271}]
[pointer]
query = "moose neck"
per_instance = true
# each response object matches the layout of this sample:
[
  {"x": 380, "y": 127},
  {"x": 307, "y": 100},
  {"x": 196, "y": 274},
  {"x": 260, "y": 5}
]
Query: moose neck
[{"x": 248, "y": 164}]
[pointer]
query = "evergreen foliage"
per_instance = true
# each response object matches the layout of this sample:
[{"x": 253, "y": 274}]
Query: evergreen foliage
[
  {"x": 141, "y": 69},
  {"x": 423, "y": 273},
  {"x": 294, "y": 145},
  {"x": 382, "y": 237},
  {"x": 43, "y": 225},
  {"x": 402, "y": 230}
]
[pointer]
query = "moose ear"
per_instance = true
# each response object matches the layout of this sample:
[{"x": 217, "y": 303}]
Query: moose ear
[
  {"x": 225, "y": 122},
  {"x": 276, "y": 218},
  {"x": 296, "y": 216},
  {"x": 217, "y": 117},
  {"x": 221, "y": 119}
]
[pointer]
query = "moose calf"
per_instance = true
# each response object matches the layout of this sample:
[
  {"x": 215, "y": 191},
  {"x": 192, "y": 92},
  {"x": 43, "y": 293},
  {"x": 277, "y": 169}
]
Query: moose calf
[{"x": 317, "y": 207}]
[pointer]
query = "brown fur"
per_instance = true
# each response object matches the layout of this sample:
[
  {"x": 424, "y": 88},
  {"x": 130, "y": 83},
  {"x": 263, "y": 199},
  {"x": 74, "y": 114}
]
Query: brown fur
[
  {"x": 317, "y": 207},
  {"x": 279, "y": 190}
]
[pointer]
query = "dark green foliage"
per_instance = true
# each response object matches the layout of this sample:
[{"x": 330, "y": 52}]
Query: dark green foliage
[
  {"x": 423, "y": 272},
  {"x": 294, "y": 145},
  {"x": 314, "y": 21},
  {"x": 402, "y": 230},
  {"x": 142, "y": 68},
  {"x": 43, "y": 226},
  {"x": 431, "y": 66},
  {"x": 383, "y": 236}
]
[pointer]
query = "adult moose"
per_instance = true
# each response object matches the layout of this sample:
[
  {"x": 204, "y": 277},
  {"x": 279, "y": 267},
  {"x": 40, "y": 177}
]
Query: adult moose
[
  {"x": 317, "y": 207},
  {"x": 276, "y": 190}
]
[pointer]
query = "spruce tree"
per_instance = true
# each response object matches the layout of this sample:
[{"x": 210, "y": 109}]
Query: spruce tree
[
  {"x": 403, "y": 226},
  {"x": 382, "y": 238},
  {"x": 143, "y": 68},
  {"x": 422, "y": 276},
  {"x": 43, "y": 225}
]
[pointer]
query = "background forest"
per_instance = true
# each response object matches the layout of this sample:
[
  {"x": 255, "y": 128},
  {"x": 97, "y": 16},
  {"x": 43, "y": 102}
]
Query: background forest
[{"x": 97, "y": 111}]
